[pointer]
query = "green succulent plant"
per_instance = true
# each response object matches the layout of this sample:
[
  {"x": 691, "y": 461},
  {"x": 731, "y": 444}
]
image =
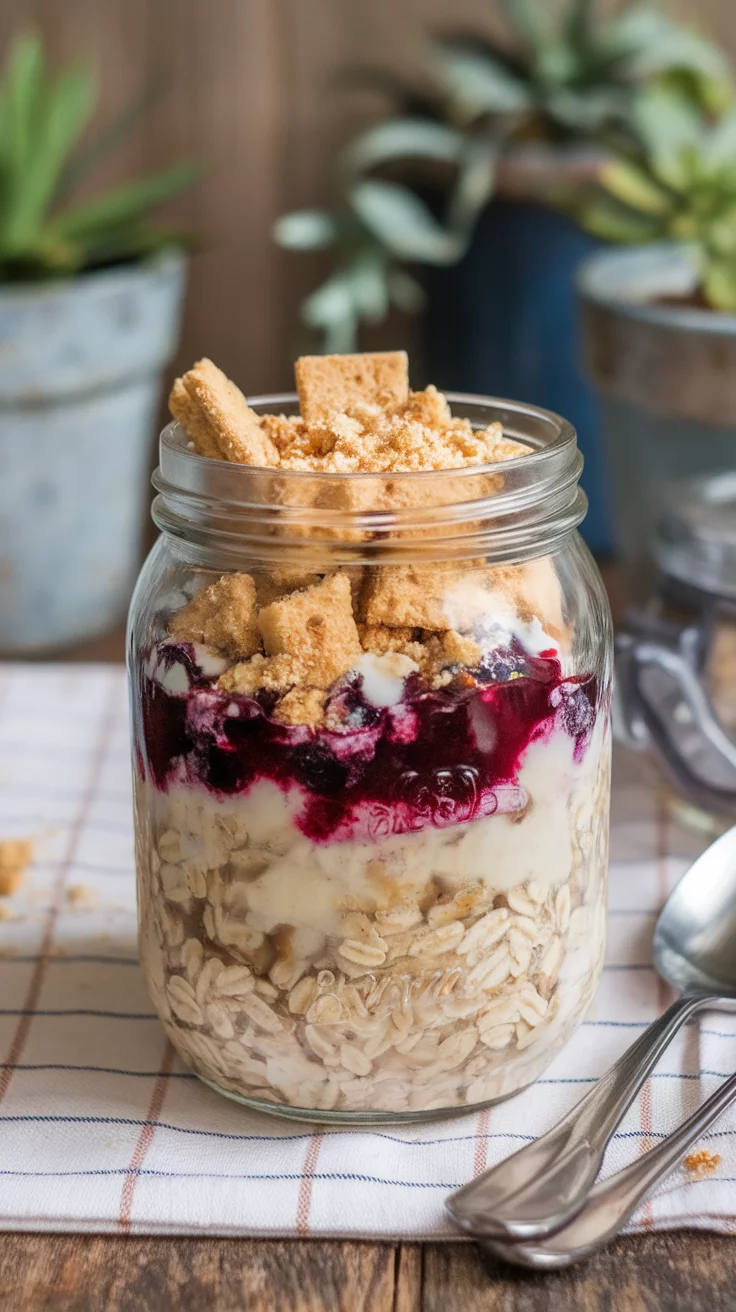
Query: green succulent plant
[
  {"x": 570, "y": 72},
  {"x": 43, "y": 233},
  {"x": 677, "y": 184},
  {"x": 568, "y": 76}
]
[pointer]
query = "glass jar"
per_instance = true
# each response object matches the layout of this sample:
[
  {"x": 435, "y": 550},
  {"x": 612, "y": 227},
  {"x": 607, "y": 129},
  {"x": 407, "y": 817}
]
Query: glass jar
[{"x": 378, "y": 894}]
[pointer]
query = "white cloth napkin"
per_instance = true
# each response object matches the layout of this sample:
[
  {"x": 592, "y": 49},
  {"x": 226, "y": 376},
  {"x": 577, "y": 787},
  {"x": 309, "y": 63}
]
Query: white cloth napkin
[{"x": 101, "y": 1129}]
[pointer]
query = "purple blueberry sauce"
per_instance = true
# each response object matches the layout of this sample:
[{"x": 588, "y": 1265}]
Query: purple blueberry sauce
[{"x": 437, "y": 758}]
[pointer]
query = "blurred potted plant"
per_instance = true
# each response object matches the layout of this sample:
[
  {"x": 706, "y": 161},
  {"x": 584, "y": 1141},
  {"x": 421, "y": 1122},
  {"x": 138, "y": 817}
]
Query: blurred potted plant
[
  {"x": 511, "y": 123},
  {"x": 90, "y": 300},
  {"x": 660, "y": 319}
]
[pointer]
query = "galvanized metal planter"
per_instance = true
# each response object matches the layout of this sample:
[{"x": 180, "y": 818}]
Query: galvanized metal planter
[
  {"x": 80, "y": 366},
  {"x": 667, "y": 378}
]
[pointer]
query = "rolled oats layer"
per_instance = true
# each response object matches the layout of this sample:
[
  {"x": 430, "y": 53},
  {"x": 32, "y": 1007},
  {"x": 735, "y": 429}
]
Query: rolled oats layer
[{"x": 371, "y": 802}]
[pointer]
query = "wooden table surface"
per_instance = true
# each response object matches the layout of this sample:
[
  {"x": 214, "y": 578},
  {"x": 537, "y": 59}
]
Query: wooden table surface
[{"x": 682, "y": 1271}]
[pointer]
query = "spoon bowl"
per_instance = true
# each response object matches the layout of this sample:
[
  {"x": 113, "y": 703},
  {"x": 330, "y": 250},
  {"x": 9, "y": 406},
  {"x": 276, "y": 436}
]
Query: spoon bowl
[{"x": 694, "y": 941}]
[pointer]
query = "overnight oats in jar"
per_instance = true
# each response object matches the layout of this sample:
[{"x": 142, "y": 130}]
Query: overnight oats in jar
[{"x": 370, "y": 664}]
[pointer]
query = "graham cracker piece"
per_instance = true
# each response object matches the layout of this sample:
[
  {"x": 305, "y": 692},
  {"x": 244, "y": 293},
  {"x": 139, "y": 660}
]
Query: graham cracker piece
[
  {"x": 16, "y": 855},
  {"x": 216, "y": 416},
  {"x": 192, "y": 419},
  {"x": 435, "y": 597},
  {"x": 222, "y": 616},
  {"x": 340, "y": 384},
  {"x": 316, "y": 628},
  {"x": 279, "y": 583}
]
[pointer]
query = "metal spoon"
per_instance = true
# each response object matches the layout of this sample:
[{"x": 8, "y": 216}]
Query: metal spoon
[
  {"x": 610, "y": 1204},
  {"x": 539, "y": 1189}
]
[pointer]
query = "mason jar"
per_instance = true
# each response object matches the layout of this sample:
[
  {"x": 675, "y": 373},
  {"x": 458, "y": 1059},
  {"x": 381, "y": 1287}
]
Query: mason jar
[{"x": 371, "y": 760}]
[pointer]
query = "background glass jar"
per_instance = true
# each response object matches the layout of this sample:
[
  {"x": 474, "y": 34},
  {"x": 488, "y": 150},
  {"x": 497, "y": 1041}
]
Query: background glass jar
[{"x": 372, "y": 793}]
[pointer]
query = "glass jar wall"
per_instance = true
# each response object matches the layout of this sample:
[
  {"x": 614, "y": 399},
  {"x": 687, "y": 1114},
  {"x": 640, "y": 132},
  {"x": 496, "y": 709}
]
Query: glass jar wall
[{"x": 371, "y": 760}]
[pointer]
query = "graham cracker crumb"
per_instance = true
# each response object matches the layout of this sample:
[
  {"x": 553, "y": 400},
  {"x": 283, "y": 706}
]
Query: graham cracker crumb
[
  {"x": 302, "y": 706},
  {"x": 379, "y": 639},
  {"x": 316, "y": 629},
  {"x": 16, "y": 855},
  {"x": 449, "y": 650},
  {"x": 702, "y": 1163},
  {"x": 222, "y": 616},
  {"x": 418, "y": 436},
  {"x": 341, "y": 384},
  {"x": 273, "y": 674},
  {"x": 216, "y": 416}
]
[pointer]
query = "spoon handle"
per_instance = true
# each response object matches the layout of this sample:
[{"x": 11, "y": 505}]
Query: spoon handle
[
  {"x": 611, "y": 1203},
  {"x": 538, "y": 1189}
]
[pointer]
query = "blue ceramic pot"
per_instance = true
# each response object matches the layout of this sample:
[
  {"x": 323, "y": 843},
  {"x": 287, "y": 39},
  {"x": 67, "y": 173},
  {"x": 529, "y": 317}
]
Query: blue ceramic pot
[{"x": 504, "y": 322}]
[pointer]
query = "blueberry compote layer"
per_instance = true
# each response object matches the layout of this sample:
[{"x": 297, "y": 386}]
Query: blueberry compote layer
[{"x": 433, "y": 758}]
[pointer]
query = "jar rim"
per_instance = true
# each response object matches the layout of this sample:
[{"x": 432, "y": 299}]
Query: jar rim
[{"x": 505, "y": 507}]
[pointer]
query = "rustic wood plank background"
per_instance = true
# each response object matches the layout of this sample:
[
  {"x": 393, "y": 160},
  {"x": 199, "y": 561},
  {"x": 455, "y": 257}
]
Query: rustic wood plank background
[
  {"x": 72, "y": 1273},
  {"x": 251, "y": 94}
]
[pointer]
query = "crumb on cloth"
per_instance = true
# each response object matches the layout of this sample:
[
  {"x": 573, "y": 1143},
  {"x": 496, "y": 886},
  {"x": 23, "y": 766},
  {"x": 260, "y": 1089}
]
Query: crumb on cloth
[
  {"x": 702, "y": 1163},
  {"x": 16, "y": 855},
  {"x": 80, "y": 897}
]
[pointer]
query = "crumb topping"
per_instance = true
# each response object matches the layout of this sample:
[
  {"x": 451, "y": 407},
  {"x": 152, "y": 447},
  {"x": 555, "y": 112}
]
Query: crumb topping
[
  {"x": 358, "y": 416},
  {"x": 292, "y": 633}
]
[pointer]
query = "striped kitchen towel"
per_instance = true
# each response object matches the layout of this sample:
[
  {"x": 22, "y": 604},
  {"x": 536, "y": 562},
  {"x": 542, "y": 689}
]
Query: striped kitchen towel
[{"x": 103, "y": 1129}]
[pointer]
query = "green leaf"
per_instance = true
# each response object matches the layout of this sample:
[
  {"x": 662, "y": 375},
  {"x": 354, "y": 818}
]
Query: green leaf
[
  {"x": 671, "y": 132},
  {"x": 604, "y": 218},
  {"x": 478, "y": 84},
  {"x": 588, "y": 110},
  {"x": 666, "y": 45},
  {"x": 525, "y": 17},
  {"x": 405, "y": 292},
  {"x": 720, "y": 234},
  {"x": 306, "y": 230},
  {"x": 68, "y": 106},
  {"x": 634, "y": 30},
  {"x": 126, "y": 204},
  {"x": 401, "y": 138},
  {"x": 719, "y": 147},
  {"x": 368, "y": 280},
  {"x": 475, "y": 184},
  {"x": 558, "y": 64},
  {"x": 23, "y": 86},
  {"x": 331, "y": 308},
  {"x": 579, "y": 23},
  {"x": 719, "y": 284},
  {"x": 88, "y": 158},
  {"x": 634, "y": 187},
  {"x": 402, "y": 223}
]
